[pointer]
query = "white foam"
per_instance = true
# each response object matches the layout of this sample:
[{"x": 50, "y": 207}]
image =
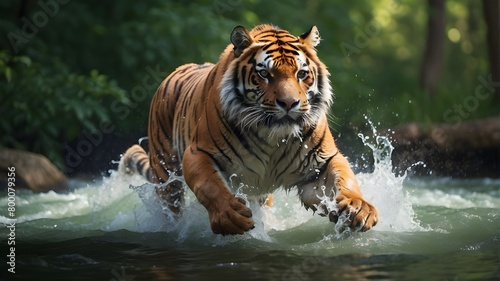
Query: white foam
[
  {"x": 457, "y": 198},
  {"x": 385, "y": 190},
  {"x": 126, "y": 202}
]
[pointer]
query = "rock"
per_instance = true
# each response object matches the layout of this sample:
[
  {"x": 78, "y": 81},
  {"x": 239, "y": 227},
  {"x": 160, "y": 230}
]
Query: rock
[{"x": 33, "y": 171}]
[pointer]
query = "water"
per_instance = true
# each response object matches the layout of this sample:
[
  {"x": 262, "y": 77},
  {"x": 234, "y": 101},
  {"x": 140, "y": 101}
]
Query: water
[{"x": 115, "y": 229}]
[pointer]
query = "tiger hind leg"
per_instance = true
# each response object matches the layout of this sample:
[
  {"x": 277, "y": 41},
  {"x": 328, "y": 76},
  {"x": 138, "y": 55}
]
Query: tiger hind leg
[
  {"x": 136, "y": 160},
  {"x": 172, "y": 196}
]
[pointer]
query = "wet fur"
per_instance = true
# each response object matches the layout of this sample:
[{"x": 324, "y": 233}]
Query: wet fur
[{"x": 255, "y": 122}]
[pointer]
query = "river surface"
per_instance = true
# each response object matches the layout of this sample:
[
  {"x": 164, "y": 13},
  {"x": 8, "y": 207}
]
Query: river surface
[{"x": 115, "y": 229}]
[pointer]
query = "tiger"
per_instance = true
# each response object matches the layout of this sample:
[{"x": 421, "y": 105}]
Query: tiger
[{"x": 251, "y": 123}]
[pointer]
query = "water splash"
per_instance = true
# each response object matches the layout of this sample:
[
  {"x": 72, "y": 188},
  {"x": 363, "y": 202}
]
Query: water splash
[
  {"x": 381, "y": 187},
  {"x": 384, "y": 189},
  {"x": 123, "y": 201}
]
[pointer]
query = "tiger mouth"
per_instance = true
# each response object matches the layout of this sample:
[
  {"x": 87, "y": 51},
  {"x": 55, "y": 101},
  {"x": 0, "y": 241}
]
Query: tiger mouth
[{"x": 286, "y": 120}]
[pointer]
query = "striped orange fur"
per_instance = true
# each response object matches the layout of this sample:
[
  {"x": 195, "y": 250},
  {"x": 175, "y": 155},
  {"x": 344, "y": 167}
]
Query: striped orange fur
[{"x": 253, "y": 122}]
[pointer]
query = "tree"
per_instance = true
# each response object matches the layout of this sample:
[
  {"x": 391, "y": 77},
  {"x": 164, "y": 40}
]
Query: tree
[
  {"x": 434, "y": 48},
  {"x": 491, "y": 9}
]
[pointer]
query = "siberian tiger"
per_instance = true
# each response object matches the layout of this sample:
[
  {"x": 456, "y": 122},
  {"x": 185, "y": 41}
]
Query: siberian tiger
[{"x": 254, "y": 121}]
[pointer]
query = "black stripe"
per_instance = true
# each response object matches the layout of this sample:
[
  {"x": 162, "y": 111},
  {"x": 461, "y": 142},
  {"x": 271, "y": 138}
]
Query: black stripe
[
  {"x": 213, "y": 139},
  {"x": 282, "y": 51},
  {"x": 267, "y": 46},
  {"x": 322, "y": 169},
  {"x": 165, "y": 88},
  {"x": 139, "y": 166},
  {"x": 235, "y": 132},
  {"x": 251, "y": 60},
  {"x": 257, "y": 143},
  {"x": 148, "y": 175},
  {"x": 230, "y": 145},
  {"x": 186, "y": 79},
  {"x": 295, "y": 53},
  {"x": 159, "y": 150},
  {"x": 179, "y": 79},
  {"x": 293, "y": 47},
  {"x": 214, "y": 160},
  {"x": 307, "y": 158},
  {"x": 295, "y": 156},
  {"x": 240, "y": 137},
  {"x": 235, "y": 75},
  {"x": 271, "y": 33},
  {"x": 210, "y": 82},
  {"x": 243, "y": 75}
]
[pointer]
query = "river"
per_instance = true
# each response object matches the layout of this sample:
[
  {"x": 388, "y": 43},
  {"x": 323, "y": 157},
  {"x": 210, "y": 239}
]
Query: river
[{"x": 115, "y": 229}]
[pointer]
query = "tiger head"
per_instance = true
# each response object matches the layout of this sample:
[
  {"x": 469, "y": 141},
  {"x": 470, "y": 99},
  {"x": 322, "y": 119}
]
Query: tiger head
[{"x": 275, "y": 84}]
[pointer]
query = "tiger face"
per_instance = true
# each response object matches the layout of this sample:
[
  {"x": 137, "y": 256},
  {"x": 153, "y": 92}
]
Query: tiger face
[{"x": 276, "y": 85}]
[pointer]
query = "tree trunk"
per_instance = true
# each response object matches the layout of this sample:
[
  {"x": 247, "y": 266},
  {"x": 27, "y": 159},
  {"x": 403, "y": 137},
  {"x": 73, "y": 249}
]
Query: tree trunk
[
  {"x": 434, "y": 49},
  {"x": 491, "y": 10},
  {"x": 468, "y": 149}
]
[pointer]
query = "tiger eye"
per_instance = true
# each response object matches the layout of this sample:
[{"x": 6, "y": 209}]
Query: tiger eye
[
  {"x": 264, "y": 74},
  {"x": 302, "y": 74}
]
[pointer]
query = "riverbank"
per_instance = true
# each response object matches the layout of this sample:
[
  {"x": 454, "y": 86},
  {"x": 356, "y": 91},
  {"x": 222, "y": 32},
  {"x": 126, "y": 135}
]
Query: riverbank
[{"x": 461, "y": 150}]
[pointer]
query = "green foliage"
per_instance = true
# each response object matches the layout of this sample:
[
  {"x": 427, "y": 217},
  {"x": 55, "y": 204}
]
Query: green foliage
[
  {"x": 47, "y": 104},
  {"x": 57, "y": 84}
]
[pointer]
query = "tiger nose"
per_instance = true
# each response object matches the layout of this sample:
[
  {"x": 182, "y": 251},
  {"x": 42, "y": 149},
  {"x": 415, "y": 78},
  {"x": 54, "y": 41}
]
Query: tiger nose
[{"x": 287, "y": 103}]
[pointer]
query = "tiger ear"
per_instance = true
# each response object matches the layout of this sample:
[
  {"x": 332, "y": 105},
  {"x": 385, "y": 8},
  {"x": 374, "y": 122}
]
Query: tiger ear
[
  {"x": 241, "y": 39},
  {"x": 311, "y": 37}
]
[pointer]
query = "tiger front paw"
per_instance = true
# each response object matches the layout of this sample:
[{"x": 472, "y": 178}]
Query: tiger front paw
[
  {"x": 356, "y": 213},
  {"x": 230, "y": 216}
]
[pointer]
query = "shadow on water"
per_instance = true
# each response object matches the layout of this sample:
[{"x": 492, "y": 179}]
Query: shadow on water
[
  {"x": 430, "y": 229},
  {"x": 125, "y": 255}
]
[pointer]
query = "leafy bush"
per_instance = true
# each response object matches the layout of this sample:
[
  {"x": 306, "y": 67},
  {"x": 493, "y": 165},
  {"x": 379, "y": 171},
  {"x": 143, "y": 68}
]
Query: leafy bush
[{"x": 48, "y": 105}]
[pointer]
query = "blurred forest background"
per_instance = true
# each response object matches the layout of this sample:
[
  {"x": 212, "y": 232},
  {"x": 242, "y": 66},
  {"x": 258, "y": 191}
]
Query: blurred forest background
[{"x": 77, "y": 77}]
